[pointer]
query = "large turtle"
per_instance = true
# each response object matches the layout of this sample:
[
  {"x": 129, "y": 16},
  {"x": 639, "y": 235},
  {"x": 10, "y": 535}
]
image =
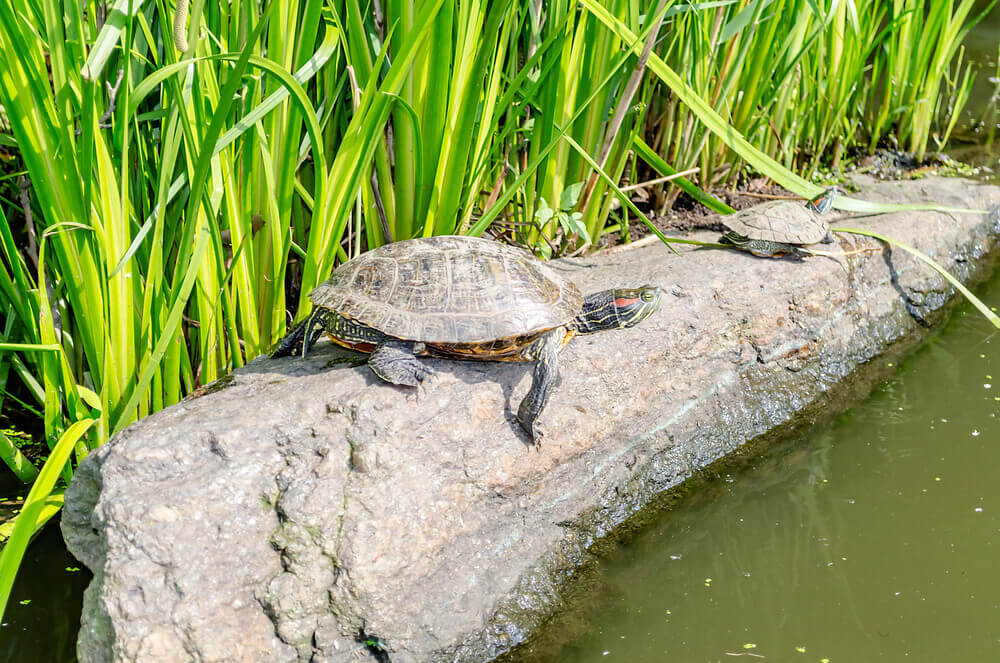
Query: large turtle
[
  {"x": 465, "y": 298},
  {"x": 780, "y": 226}
]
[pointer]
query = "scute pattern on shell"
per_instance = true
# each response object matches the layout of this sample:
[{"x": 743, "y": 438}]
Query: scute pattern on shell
[
  {"x": 785, "y": 221},
  {"x": 450, "y": 289}
]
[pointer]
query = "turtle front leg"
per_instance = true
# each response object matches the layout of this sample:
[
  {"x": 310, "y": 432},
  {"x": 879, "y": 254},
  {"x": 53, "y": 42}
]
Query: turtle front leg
[
  {"x": 545, "y": 352},
  {"x": 396, "y": 362}
]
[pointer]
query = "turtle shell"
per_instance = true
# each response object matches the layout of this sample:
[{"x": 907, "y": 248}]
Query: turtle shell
[
  {"x": 785, "y": 221},
  {"x": 450, "y": 289}
]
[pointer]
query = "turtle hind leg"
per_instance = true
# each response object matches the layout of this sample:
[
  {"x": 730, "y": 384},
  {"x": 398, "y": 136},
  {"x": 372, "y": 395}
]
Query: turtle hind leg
[
  {"x": 396, "y": 362},
  {"x": 292, "y": 343},
  {"x": 300, "y": 338},
  {"x": 545, "y": 352}
]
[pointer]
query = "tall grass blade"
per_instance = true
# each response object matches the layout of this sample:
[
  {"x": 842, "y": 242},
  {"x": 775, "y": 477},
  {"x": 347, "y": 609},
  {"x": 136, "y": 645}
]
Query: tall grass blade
[
  {"x": 109, "y": 37},
  {"x": 168, "y": 332},
  {"x": 18, "y": 463}
]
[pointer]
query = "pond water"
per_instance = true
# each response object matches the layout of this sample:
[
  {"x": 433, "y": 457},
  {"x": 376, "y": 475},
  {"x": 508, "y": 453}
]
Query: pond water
[
  {"x": 872, "y": 538},
  {"x": 43, "y": 613}
]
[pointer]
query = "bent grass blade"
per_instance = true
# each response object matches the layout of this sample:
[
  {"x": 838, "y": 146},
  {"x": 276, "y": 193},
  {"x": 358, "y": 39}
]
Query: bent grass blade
[{"x": 930, "y": 262}]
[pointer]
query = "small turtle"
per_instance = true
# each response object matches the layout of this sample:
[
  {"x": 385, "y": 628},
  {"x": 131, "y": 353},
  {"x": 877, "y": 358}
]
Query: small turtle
[
  {"x": 780, "y": 226},
  {"x": 464, "y": 298}
]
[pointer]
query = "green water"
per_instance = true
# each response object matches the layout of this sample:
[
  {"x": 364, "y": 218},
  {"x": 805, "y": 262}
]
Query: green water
[{"x": 872, "y": 538}]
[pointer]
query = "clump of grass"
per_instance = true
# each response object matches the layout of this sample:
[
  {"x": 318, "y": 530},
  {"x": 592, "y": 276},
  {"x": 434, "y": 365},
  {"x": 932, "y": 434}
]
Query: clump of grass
[{"x": 915, "y": 63}]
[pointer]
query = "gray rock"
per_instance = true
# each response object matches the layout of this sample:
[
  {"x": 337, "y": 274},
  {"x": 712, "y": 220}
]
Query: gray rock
[{"x": 299, "y": 505}]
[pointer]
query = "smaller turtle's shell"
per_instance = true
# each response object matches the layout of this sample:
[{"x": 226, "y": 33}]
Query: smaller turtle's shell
[
  {"x": 450, "y": 290},
  {"x": 782, "y": 221}
]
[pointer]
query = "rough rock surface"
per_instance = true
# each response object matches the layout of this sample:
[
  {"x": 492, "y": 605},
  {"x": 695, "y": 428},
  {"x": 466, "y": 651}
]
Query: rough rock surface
[{"x": 301, "y": 505}]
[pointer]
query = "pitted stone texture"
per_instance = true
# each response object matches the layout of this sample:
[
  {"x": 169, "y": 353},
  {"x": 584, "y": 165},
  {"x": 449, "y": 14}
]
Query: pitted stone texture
[{"x": 281, "y": 517}]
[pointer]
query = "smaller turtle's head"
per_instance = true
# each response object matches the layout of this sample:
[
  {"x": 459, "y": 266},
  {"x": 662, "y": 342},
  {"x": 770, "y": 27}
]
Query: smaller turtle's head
[
  {"x": 617, "y": 308},
  {"x": 824, "y": 201}
]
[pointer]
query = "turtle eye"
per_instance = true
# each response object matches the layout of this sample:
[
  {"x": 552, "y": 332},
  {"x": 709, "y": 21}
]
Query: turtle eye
[{"x": 647, "y": 295}]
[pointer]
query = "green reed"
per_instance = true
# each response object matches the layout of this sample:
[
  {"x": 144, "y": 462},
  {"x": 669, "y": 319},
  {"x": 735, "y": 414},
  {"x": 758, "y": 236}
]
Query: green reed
[
  {"x": 807, "y": 81},
  {"x": 918, "y": 52}
]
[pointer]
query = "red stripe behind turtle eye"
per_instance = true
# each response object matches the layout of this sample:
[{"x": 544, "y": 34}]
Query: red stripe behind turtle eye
[{"x": 622, "y": 302}]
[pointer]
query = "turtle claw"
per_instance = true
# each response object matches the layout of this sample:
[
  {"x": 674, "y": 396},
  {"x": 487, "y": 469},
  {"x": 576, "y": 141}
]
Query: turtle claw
[
  {"x": 427, "y": 381},
  {"x": 537, "y": 435},
  {"x": 530, "y": 426}
]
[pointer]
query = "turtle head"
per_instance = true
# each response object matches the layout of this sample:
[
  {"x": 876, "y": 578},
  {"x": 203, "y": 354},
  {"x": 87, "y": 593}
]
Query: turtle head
[
  {"x": 824, "y": 201},
  {"x": 617, "y": 308}
]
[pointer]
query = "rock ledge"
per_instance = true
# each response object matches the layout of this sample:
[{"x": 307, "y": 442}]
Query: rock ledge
[{"x": 304, "y": 505}]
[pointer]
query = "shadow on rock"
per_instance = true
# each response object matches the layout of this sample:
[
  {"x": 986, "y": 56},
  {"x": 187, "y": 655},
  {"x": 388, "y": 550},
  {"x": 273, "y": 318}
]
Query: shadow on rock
[
  {"x": 332, "y": 358},
  {"x": 912, "y": 307}
]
